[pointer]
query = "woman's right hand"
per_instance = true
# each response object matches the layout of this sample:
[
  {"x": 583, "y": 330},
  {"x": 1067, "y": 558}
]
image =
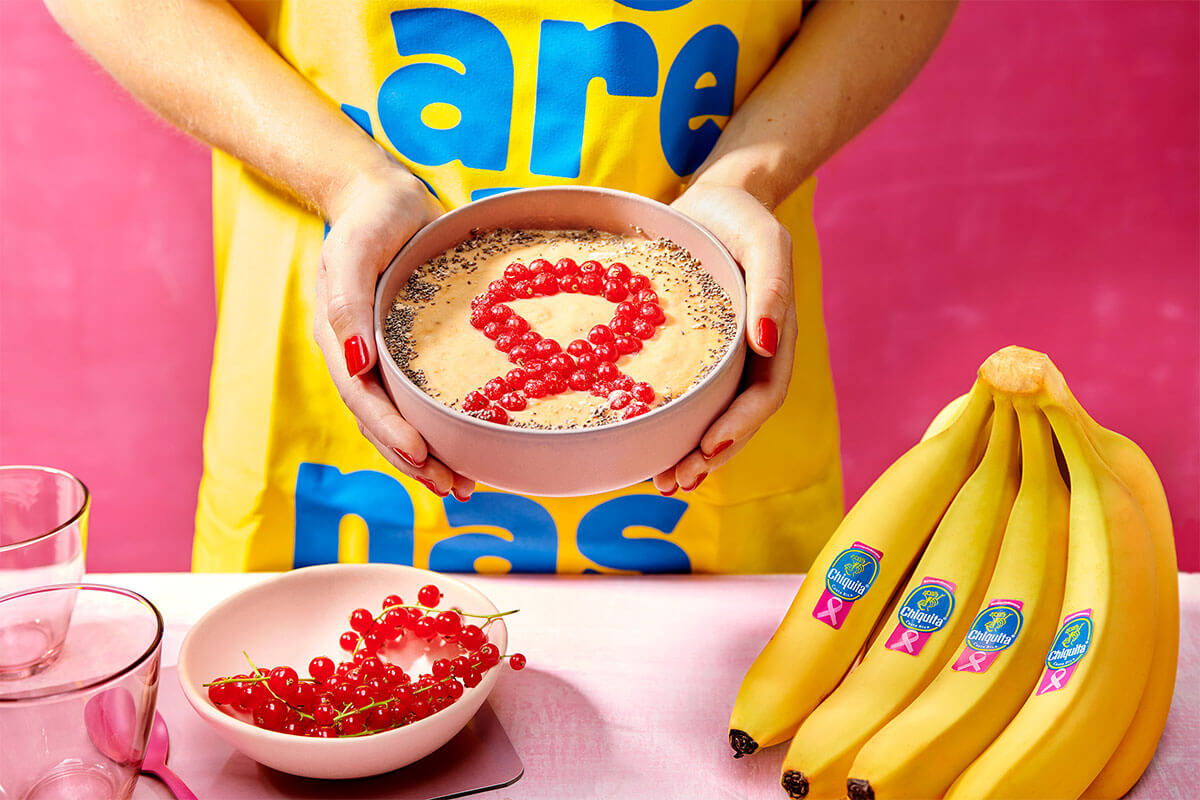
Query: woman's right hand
[{"x": 372, "y": 217}]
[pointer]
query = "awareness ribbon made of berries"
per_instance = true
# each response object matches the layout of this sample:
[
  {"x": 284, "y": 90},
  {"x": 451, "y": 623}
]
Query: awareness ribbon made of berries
[{"x": 587, "y": 365}]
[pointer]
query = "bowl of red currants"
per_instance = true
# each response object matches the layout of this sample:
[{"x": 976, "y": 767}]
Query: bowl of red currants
[{"x": 345, "y": 670}]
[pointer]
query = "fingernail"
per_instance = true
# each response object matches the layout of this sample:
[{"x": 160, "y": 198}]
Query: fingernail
[
  {"x": 699, "y": 481},
  {"x": 716, "y": 450},
  {"x": 768, "y": 335},
  {"x": 672, "y": 491},
  {"x": 356, "y": 355},
  {"x": 412, "y": 462},
  {"x": 431, "y": 486},
  {"x": 459, "y": 498}
]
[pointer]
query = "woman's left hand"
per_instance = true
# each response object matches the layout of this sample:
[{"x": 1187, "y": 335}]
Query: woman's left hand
[{"x": 763, "y": 248}]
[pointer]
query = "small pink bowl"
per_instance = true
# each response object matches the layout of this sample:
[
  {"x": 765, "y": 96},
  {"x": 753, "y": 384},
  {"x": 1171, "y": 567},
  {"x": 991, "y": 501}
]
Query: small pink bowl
[
  {"x": 300, "y": 614},
  {"x": 577, "y": 461}
]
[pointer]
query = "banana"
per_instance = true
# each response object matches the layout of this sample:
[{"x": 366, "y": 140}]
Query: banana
[
  {"x": 919, "y": 753},
  {"x": 1099, "y": 662},
  {"x": 1135, "y": 470},
  {"x": 852, "y": 579},
  {"x": 939, "y": 605}
]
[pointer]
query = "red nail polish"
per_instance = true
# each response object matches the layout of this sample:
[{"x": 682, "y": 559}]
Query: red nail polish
[
  {"x": 768, "y": 335},
  {"x": 696, "y": 485},
  {"x": 407, "y": 459},
  {"x": 356, "y": 355},
  {"x": 431, "y": 486},
  {"x": 717, "y": 450},
  {"x": 673, "y": 490}
]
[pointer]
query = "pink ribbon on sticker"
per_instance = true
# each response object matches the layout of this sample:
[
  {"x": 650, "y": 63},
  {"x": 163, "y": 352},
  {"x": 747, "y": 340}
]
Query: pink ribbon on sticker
[
  {"x": 833, "y": 606},
  {"x": 1055, "y": 679},
  {"x": 972, "y": 660}
]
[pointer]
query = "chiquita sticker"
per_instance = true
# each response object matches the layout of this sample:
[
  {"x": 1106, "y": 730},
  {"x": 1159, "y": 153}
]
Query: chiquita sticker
[
  {"x": 1072, "y": 643},
  {"x": 849, "y": 577},
  {"x": 924, "y": 612},
  {"x": 994, "y": 630}
]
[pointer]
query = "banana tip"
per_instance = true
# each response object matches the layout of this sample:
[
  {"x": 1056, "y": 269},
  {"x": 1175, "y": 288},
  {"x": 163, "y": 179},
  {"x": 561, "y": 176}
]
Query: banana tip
[
  {"x": 743, "y": 744},
  {"x": 795, "y": 784},
  {"x": 859, "y": 789}
]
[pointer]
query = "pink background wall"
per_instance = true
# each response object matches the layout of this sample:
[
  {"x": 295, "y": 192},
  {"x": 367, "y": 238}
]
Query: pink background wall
[{"x": 1038, "y": 185}]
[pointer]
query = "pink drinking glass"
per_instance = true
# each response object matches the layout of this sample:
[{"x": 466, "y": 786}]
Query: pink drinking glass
[
  {"x": 43, "y": 522},
  {"x": 78, "y": 728}
]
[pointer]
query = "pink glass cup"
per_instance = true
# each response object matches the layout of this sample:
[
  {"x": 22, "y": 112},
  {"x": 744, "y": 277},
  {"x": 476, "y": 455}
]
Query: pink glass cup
[
  {"x": 78, "y": 728},
  {"x": 43, "y": 522}
]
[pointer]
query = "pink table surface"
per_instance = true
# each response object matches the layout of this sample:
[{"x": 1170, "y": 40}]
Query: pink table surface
[{"x": 630, "y": 680}]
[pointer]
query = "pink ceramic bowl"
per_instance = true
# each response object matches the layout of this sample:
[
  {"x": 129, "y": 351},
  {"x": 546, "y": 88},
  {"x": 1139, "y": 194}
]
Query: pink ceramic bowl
[
  {"x": 576, "y": 461},
  {"x": 300, "y": 614}
]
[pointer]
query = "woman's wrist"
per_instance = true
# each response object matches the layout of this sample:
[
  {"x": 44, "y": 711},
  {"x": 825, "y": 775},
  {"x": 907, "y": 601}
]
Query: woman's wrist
[
  {"x": 377, "y": 169},
  {"x": 757, "y": 171}
]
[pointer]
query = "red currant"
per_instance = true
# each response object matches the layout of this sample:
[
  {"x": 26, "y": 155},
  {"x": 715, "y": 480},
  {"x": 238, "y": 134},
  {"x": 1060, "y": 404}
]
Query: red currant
[
  {"x": 442, "y": 669},
  {"x": 643, "y": 392},
  {"x": 546, "y": 348},
  {"x": 607, "y": 371},
  {"x": 590, "y": 268},
  {"x": 472, "y": 637},
  {"x": 495, "y": 388},
  {"x": 489, "y": 655},
  {"x": 652, "y": 313},
  {"x": 579, "y": 347},
  {"x": 615, "y": 292},
  {"x": 500, "y": 291},
  {"x": 216, "y": 693},
  {"x": 492, "y": 330},
  {"x": 638, "y": 283},
  {"x": 587, "y": 361},
  {"x": 454, "y": 689},
  {"x": 606, "y": 351},
  {"x": 448, "y": 623},
  {"x": 627, "y": 310},
  {"x": 361, "y": 620},
  {"x": 619, "y": 399},
  {"x": 530, "y": 338},
  {"x": 516, "y": 325},
  {"x": 361, "y": 696},
  {"x": 566, "y": 266},
  {"x": 271, "y": 714},
  {"x": 622, "y": 326},
  {"x": 474, "y": 401},
  {"x": 500, "y": 312},
  {"x": 617, "y": 272},
  {"x": 429, "y": 595},
  {"x": 516, "y": 271},
  {"x": 581, "y": 380},
  {"x": 522, "y": 289},
  {"x": 535, "y": 388},
  {"x": 521, "y": 353},
  {"x": 546, "y": 284},
  {"x": 505, "y": 342},
  {"x": 635, "y": 410},
  {"x": 324, "y": 732},
  {"x": 628, "y": 344},
  {"x": 352, "y": 724},
  {"x": 420, "y": 708},
  {"x": 425, "y": 628},
  {"x": 624, "y": 382},
  {"x": 569, "y": 283},
  {"x": 461, "y": 664},
  {"x": 642, "y": 329},
  {"x": 493, "y": 414},
  {"x": 371, "y": 667},
  {"x": 591, "y": 284},
  {"x": 371, "y": 642},
  {"x": 281, "y": 680},
  {"x": 517, "y": 661},
  {"x": 392, "y": 623},
  {"x": 601, "y": 389},
  {"x": 512, "y": 401},
  {"x": 561, "y": 363},
  {"x": 647, "y": 296},
  {"x": 392, "y": 600},
  {"x": 324, "y": 714},
  {"x": 479, "y": 318},
  {"x": 516, "y": 378},
  {"x": 600, "y": 334},
  {"x": 472, "y": 679},
  {"x": 304, "y": 695},
  {"x": 555, "y": 383},
  {"x": 379, "y": 718},
  {"x": 348, "y": 641}
]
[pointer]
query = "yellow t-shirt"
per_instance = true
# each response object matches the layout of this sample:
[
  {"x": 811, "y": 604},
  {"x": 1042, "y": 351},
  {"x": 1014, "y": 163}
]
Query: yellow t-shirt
[{"x": 475, "y": 97}]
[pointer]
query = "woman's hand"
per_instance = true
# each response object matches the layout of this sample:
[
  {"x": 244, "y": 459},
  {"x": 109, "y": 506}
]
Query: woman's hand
[
  {"x": 763, "y": 248},
  {"x": 372, "y": 217}
]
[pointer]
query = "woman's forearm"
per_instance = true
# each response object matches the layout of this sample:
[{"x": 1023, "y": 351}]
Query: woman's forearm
[
  {"x": 199, "y": 65},
  {"x": 848, "y": 62}
]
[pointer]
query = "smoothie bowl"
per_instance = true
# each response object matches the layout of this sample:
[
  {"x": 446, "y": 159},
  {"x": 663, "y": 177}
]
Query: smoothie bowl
[{"x": 561, "y": 341}]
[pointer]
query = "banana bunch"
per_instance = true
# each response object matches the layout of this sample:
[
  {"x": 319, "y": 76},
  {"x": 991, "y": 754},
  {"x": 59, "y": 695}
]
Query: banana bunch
[{"x": 975, "y": 628}]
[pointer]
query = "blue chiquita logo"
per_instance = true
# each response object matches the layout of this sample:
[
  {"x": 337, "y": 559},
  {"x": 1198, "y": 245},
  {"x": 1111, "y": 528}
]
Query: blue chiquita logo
[
  {"x": 1071, "y": 644},
  {"x": 852, "y": 573},
  {"x": 927, "y": 608},
  {"x": 995, "y": 629}
]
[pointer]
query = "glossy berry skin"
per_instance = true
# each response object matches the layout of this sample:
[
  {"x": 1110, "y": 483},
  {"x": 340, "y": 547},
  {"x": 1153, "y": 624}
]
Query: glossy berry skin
[
  {"x": 321, "y": 668},
  {"x": 600, "y": 334},
  {"x": 587, "y": 361},
  {"x": 271, "y": 714},
  {"x": 371, "y": 667},
  {"x": 429, "y": 596},
  {"x": 454, "y": 689},
  {"x": 448, "y": 623},
  {"x": 642, "y": 329},
  {"x": 638, "y": 283},
  {"x": 635, "y": 410},
  {"x": 472, "y": 637},
  {"x": 621, "y": 326},
  {"x": 516, "y": 325},
  {"x": 590, "y": 268},
  {"x": 391, "y": 600},
  {"x": 547, "y": 348},
  {"x": 352, "y": 724},
  {"x": 494, "y": 388},
  {"x": 555, "y": 383},
  {"x": 643, "y": 392},
  {"x": 493, "y": 414},
  {"x": 606, "y": 351},
  {"x": 475, "y": 401},
  {"x": 304, "y": 696},
  {"x": 441, "y": 669},
  {"x": 348, "y": 641},
  {"x": 493, "y": 330},
  {"x": 372, "y": 641},
  {"x": 615, "y": 292},
  {"x": 281, "y": 680},
  {"x": 591, "y": 284},
  {"x": 324, "y": 732},
  {"x": 579, "y": 347},
  {"x": 652, "y": 313},
  {"x": 581, "y": 380},
  {"x": 566, "y": 266},
  {"x": 489, "y": 655},
  {"x": 546, "y": 284},
  {"x": 569, "y": 284},
  {"x": 627, "y": 310},
  {"x": 617, "y": 272},
  {"x": 606, "y": 371},
  {"x": 540, "y": 265},
  {"x": 324, "y": 714},
  {"x": 516, "y": 378},
  {"x": 512, "y": 401},
  {"x": 361, "y": 620},
  {"x": 517, "y": 661},
  {"x": 619, "y": 399},
  {"x": 500, "y": 312},
  {"x": 561, "y": 363},
  {"x": 521, "y": 353},
  {"x": 505, "y": 342},
  {"x": 535, "y": 388}
]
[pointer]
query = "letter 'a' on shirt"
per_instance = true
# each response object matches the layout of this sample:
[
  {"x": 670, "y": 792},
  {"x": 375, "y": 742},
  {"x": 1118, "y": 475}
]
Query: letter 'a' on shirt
[{"x": 476, "y": 98}]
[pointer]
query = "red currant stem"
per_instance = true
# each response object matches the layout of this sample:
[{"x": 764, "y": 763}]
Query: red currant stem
[
  {"x": 460, "y": 612},
  {"x": 351, "y": 710},
  {"x": 262, "y": 678}
]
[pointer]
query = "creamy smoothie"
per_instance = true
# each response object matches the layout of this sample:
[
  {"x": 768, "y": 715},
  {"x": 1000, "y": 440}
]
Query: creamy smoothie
[{"x": 559, "y": 329}]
